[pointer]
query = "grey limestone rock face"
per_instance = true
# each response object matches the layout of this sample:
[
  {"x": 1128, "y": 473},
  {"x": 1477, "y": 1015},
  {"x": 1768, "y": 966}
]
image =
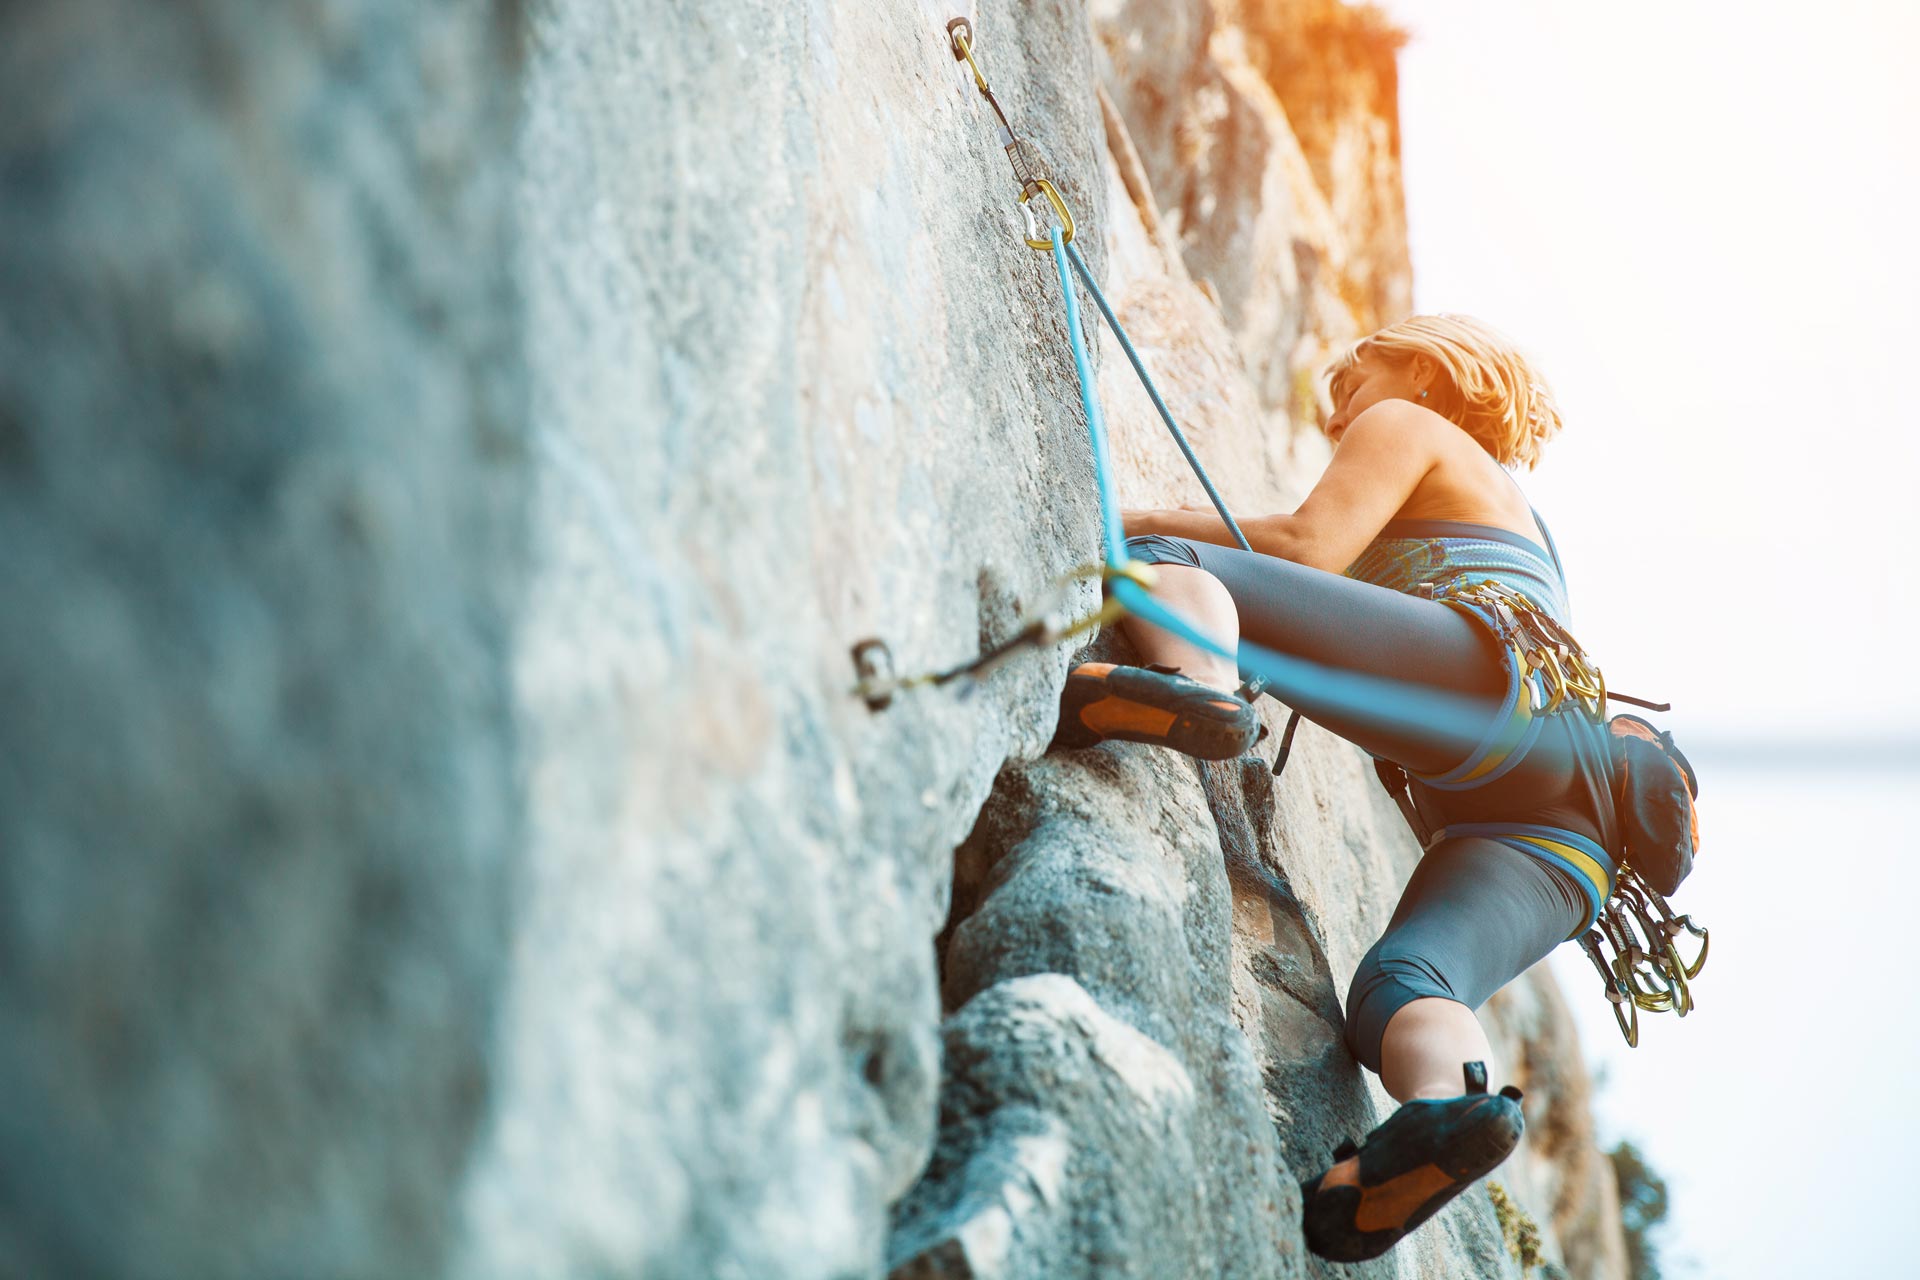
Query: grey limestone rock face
[
  {"x": 447, "y": 453},
  {"x": 796, "y": 380},
  {"x": 1093, "y": 1024}
]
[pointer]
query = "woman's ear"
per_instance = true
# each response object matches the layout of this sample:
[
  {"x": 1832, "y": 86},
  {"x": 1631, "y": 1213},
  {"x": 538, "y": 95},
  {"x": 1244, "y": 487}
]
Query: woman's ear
[{"x": 1425, "y": 371}]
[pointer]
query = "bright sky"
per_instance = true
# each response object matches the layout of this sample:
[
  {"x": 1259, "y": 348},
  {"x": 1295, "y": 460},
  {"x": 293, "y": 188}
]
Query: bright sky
[{"x": 1703, "y": 221}]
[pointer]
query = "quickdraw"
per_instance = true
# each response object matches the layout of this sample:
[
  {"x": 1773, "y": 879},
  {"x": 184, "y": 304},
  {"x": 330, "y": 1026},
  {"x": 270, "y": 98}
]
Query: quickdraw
[
  {"x": 1646, "y": 970},
  {"x": 1027, "y": 170},
  {"x": 873, "y": 661}
]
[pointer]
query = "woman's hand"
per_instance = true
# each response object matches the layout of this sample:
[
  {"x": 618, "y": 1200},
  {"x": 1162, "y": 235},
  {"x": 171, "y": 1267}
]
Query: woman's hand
[
  {"x": 1141, "y": 521},
  {"x": 1200, "y": 523}
]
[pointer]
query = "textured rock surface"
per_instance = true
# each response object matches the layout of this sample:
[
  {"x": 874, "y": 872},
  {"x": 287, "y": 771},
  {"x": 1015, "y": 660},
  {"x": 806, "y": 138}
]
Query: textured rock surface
[
  {"x": 1299, "y": 237},
  {"x": 1116, "y": 1029},
  {"x": 263, "y": 483},
  {"x": 795, "y": 381},
  {"x": 446, "y": 453},
  {"x": 1333, "y": 67}
]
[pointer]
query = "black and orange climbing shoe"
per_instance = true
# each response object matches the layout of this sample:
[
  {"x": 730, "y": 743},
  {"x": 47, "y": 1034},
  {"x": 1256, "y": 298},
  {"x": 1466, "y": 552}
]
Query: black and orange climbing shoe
[
  {"x": 1154, "y": 705},
  {"x": 1426, "y": 1153}
]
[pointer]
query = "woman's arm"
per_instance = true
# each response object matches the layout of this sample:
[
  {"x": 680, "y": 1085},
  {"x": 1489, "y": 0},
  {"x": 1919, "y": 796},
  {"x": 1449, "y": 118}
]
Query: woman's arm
[
  {"x": 1197, "y": 524},
  {"x": 1379, "y": 462}
]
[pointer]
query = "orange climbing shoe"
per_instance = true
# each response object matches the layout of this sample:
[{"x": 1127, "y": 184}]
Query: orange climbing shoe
[
  {"x": 1157, "y": 706},
  {"x": 1427, "y": 1152}
]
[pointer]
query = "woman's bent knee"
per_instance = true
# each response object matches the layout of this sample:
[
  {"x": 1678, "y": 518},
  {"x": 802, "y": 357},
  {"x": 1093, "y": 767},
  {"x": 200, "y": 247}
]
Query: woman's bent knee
[
  {"x": 1381, "y": 988},
  {"x": 1156, "y": 548}
]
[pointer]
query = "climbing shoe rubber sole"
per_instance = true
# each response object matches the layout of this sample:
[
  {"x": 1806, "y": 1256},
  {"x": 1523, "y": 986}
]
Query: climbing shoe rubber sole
[
  {"x": 1154, "y": 705},
  {"x": 1426, "y": 1153}
]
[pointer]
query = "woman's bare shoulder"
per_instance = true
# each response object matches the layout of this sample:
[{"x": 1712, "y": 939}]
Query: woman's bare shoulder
[
  {"x": 1402, "y": 424},
  {"x": 1465, "y": 484}
]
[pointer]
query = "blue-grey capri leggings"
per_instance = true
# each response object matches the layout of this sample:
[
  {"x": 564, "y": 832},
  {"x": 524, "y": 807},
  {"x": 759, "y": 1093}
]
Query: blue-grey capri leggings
[{"x": 1476, "y": 913}]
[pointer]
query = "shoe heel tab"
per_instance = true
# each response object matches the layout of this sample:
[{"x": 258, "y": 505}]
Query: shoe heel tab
[{"x": 1476, "y": 1074}]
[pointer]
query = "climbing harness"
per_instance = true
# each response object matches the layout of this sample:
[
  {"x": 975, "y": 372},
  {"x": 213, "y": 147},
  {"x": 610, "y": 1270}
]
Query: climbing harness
[
  {"x": 1631, "y": 934},
  {"x": 1551, "y": 674},
  {"x": 1557, "y": 667}
]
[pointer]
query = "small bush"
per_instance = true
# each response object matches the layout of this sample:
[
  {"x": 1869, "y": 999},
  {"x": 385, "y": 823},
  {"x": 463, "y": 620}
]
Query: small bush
[{"x": 1643, "y": 1208}]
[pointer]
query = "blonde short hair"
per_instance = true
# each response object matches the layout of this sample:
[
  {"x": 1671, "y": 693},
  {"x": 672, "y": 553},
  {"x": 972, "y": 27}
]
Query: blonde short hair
[{"x": 1486, "y": 387}]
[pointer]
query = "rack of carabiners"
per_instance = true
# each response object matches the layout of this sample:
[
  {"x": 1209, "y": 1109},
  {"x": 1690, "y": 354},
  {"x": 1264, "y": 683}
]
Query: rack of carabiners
[
  {"x": 1558, "y": 668},
  {"x": 1646, "y": 969}
]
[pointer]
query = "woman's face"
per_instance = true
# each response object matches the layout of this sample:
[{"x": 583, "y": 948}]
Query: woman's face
[{"x": 1372, "y": 380}]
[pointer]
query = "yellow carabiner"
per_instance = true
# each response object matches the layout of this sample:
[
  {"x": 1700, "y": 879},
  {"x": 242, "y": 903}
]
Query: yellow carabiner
[
  {"x": 960, "y": 32},
  {"x": 1052, "y": 194},
  {"x": 1137, "y": 571}
]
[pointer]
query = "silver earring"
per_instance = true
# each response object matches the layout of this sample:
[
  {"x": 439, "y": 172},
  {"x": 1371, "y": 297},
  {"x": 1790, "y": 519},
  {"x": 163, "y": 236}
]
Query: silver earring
[{"x": 1423, "y": 395}]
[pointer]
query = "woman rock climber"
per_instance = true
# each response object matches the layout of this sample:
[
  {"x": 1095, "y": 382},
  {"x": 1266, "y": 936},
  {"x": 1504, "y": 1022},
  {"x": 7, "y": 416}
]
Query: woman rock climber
[{"x": 1428, "y": 415}]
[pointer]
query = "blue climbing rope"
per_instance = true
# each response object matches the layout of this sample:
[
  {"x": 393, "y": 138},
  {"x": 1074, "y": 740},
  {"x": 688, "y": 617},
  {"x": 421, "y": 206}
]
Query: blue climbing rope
[
  {"x": 1257, "y": 684},
  {"x": 1153, "y": 392},
  {"x": 1114, "y": 537}
]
